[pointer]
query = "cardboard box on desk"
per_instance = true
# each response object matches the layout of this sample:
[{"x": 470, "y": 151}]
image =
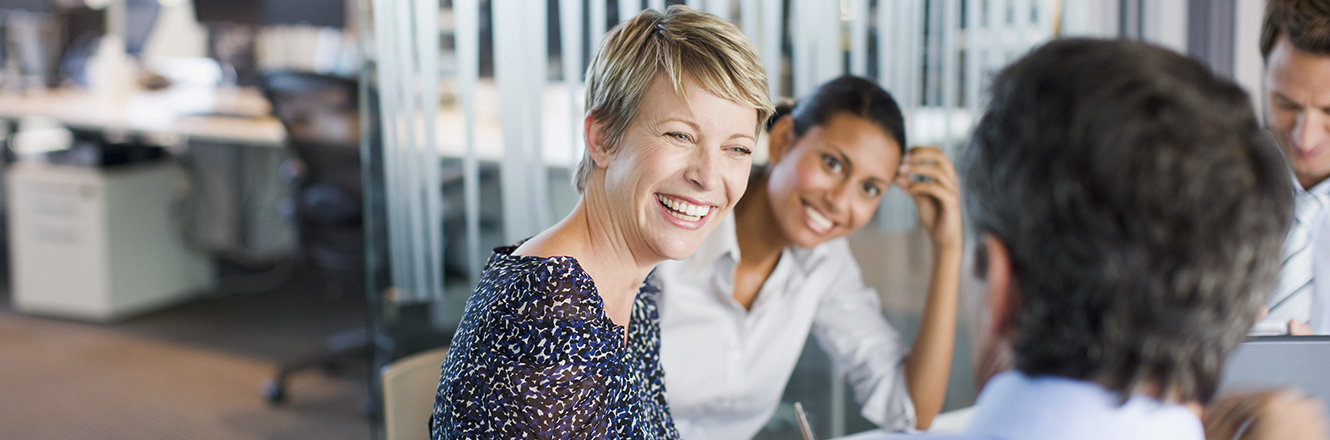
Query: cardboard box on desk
[{"x": 98, "y": 244}]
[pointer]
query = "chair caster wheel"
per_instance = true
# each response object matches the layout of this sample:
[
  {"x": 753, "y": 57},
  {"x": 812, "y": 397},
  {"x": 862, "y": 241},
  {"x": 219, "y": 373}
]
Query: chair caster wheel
[{"x": 273, "y": 391}]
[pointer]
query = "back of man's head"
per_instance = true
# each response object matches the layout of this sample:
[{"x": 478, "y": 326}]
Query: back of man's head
[
  {"x": 1305, "y": 22},
  {"x": 1142, "y": 208}
]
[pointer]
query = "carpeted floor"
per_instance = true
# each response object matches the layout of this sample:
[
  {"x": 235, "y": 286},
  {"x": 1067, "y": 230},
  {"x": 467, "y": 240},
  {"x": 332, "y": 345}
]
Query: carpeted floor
[{"x": 188, "y": 372}]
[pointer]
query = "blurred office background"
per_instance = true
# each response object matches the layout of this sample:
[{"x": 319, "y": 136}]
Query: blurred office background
[{"x": 310, "y": 187}]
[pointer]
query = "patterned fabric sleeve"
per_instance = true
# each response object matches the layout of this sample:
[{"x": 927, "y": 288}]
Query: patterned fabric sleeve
[
  {"x": 550, "y": 385},
  {"x": 537, "y": 359}
]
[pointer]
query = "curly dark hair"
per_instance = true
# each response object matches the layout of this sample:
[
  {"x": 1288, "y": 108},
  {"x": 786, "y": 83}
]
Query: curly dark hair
[
  {"x": 1143, "y": 208},
  {"x": 1306, "y": 22}
]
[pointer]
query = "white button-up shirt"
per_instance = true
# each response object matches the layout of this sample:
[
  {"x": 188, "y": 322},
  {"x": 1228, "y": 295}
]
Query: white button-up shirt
[
  {"x": 1316, "y": 306},
  {"x": 726, "y": 367},
  {"x": 1014, "y": 406}
]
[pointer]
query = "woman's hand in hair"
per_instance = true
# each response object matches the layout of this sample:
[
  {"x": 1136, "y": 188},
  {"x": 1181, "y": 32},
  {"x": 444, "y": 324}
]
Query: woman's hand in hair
[{"x": 927, "y": 175}]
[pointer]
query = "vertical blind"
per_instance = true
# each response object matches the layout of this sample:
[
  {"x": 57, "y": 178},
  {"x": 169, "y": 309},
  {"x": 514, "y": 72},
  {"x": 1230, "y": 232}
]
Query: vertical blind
[
  {"x": 406, "y": 46},
  {"x": 935, "y": 56}
]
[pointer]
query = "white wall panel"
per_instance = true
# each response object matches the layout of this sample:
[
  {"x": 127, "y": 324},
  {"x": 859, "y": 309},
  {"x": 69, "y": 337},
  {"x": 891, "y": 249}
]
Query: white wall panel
[
  {"x": 570, "y": 31},
  {"x": 1248, "y": 67},
  {"x": 519, "y": 73},
  {"x": 721, "y": 8},
  {"x": 1166, "y": 24},
  {"x": 770, "y": 47},
  {"x": 598, "y": 13},
  {"x": 858, "y": 14},
  {"x": 628, "y": 8},
  {"x": 829, "y": 48},
  {"x": 467, "y": 16},
  {"x": 408, "y": 50}
]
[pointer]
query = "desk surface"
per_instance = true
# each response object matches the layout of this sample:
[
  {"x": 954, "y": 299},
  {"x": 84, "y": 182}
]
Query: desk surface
[
  {"x": 950, "y": 422},
  {"x": 183, "y": 111}
]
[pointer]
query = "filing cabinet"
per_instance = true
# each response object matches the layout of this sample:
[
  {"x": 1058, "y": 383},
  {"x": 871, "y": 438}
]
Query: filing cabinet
[{"x": 99, "y": 244}]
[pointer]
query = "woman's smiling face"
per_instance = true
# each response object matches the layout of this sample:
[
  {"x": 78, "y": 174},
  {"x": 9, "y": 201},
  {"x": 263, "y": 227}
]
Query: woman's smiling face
[
  {"x": 828, "y": 183},
  {"x": 679, "y": 169}
]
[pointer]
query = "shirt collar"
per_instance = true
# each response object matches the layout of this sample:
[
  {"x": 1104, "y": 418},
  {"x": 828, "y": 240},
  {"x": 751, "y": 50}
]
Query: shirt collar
[
  {"x": 807, "y": 258},
  {"x": 1320, "y": 189},
  {"x": 1013, "y": 405},
  {"x": 722, "y": 241}
]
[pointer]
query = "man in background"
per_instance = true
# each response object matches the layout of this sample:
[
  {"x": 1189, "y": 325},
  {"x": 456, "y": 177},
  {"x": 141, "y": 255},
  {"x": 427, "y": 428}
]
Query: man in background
[{"x": 1295, "y": 43}]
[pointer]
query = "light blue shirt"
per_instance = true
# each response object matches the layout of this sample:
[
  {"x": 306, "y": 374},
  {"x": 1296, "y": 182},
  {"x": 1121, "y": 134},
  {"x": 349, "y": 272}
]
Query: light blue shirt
[
  {"x": 1311, "y": 306},
  {"x": 1014, "y": 406}
]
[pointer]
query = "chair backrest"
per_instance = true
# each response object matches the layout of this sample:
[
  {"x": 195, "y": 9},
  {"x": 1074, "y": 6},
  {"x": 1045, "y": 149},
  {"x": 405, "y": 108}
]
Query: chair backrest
[
  {"x": 314, "y": 107},
  {"x": 409, "y": 387},
  {"x": 321, "y": 115}
]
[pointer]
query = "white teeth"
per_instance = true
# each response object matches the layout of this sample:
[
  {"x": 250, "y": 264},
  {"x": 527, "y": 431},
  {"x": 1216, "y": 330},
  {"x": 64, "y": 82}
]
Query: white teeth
[
  {"x": 690, "y": 218},
  {"x": 684, "y": 210},
  {"x": 820, "y": 223}
]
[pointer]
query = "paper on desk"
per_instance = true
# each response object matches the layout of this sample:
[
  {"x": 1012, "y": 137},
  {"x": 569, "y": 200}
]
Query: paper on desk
[{"x": 950, "y": 422}]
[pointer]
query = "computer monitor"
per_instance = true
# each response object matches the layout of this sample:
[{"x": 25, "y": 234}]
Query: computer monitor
[
  {"x": 140, "y": 15},
  {"x": 1280, "y": 361},
  {"x": 45, "y": 6},
  {"x": 244, "y": 12},
  {"x": 328, "y": 13}
]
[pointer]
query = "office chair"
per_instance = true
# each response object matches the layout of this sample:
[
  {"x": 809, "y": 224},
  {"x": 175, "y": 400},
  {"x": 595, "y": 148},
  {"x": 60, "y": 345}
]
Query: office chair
[
  {"x": 409, "y": 386},
  {"x": 322, "y": 121}
]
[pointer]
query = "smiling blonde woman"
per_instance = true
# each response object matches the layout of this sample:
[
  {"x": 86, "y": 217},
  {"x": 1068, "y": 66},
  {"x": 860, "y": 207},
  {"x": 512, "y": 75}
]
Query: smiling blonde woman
[{"x": 561, "y": 338}]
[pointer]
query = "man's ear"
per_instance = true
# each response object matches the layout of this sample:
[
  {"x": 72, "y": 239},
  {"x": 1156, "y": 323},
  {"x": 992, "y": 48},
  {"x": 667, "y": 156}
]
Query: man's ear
[
  {"x": 1002, "y": 296},
  {"x": 594, "y": 133},
  {"x": 780, "y": 138}
]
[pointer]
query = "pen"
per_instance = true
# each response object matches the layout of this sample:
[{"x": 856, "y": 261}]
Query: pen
[{"x": 804, "y": 427}]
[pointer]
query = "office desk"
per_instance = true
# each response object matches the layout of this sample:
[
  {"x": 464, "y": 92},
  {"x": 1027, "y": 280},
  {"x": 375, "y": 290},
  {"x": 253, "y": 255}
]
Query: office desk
[
  {"x": 950, "y": 422},
  {"x": 116, "y": 230},
  {"x": 191, "y": 112},
  {"x": 216, "y": 116}
]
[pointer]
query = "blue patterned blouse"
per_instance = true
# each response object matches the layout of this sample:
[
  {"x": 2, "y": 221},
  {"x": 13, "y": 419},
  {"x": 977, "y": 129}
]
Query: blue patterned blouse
[{"x": 535, "y": 357}]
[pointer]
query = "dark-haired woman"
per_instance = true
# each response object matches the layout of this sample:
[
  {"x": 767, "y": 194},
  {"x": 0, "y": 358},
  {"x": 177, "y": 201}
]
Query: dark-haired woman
[{"x": 735, "y": 315}]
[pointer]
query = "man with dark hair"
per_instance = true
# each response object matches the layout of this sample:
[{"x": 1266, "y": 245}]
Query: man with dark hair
[
  {"x": 1122, "y": 198},
  {"x": 1295, "y": 43}
]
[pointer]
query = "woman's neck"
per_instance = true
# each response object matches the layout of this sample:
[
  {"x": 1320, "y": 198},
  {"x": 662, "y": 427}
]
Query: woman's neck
[
  {"x": 603, "y": 252},
  {"x": 759, "y": 235},
  {"x": 761, "y": 240}
]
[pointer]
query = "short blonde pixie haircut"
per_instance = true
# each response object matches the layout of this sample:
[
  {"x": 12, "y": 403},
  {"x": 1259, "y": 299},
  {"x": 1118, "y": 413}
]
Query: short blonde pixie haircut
[{"x": 679, "y": 42}]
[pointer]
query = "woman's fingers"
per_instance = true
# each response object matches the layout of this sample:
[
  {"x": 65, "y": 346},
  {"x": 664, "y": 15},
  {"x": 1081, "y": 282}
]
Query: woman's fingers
[
  {"x": 940, "y": 184},
  {"x": 939, "y": 211},
  {"x": 930, "y": 172},
  {"x": 927, "y": 175},
  {"x": 930, "y": 163},
  {"x": 935, "y": 189},
  {"x": 934, "y": 201}
]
